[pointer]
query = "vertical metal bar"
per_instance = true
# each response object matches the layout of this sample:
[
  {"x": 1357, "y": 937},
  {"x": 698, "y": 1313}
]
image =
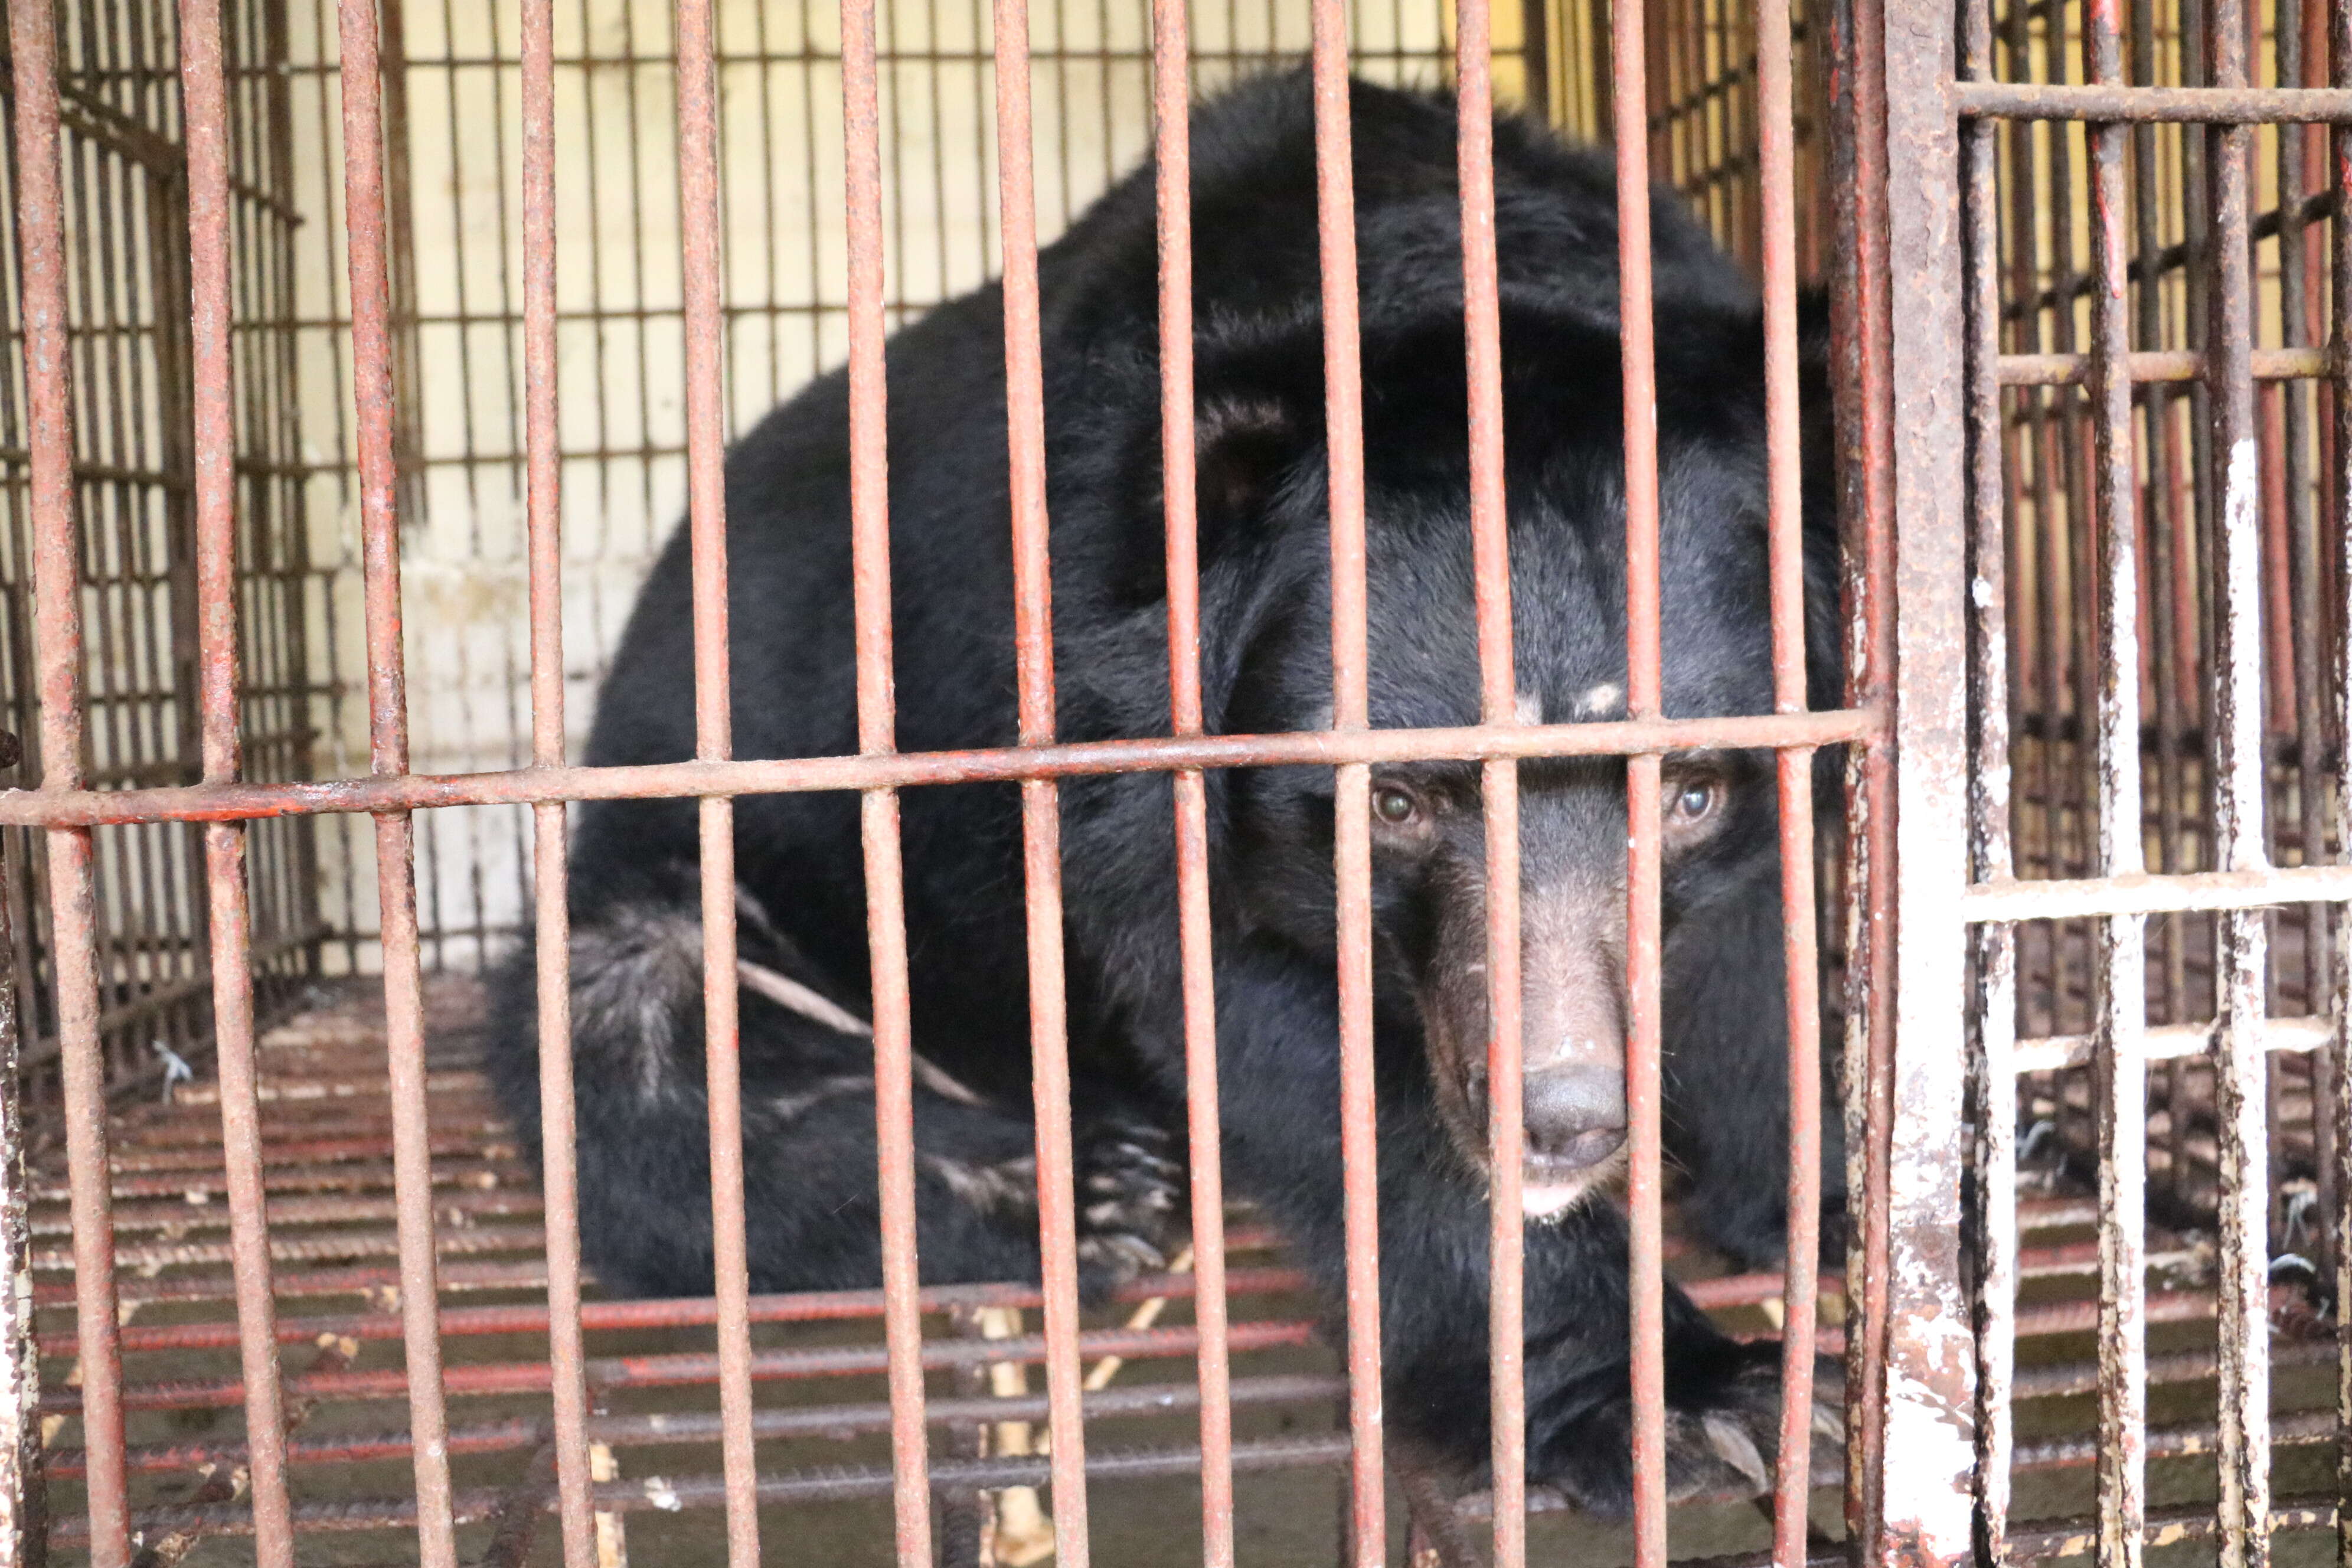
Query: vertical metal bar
[
  {"x": 2239, "y": 1059},
  {"x": 1862, "y": 327},
  {"x": 1499, "y": 704},
  {"x": 204, "y": 97},
  {"x": 1343, "y": 413},
  {"x": 1173, "y": 156},
  {"x": 1994, "y": 1113},
  {"x": 1923, "y": 1493},
  {"x": 2298, "y": 308},
  {"x": 2167, "y": 540},
  {"x": 58, "y": 651},
  {"x": 2339, "y": 500},
  {"x": 706, "y": 478},
  {"x": 559, "y": 1129},
  {"x": 372, "y": 368},
  {"x": 2120, "y": 1080},
  {"x": 1647, "y": 1304},
  {"x": 1800, "y": 1298},
  {"x": 21, "y": 1524},
  {"x": 1033, "y": 611},
  {"x": 869, "y": 503}
]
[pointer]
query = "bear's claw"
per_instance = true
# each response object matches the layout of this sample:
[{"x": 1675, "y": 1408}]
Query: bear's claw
[{"x": 1130, "y": 1200}]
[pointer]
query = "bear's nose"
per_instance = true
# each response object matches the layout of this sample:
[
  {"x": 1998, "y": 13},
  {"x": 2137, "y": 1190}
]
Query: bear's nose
[{"x": 1574, "y": 1116}]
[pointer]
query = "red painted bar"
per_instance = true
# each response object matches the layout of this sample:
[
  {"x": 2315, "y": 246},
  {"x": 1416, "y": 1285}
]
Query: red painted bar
[
  {"x": 57, "y": 652},
  {"x": 700, "y": 217},
  {"x": 1499, "y": 704},
  {"x": 372, "y": 374},
  {"x": 1645, "y": 1176},
  {"x": 559, "y": 1166},
  {"x": 1041, "y": 826},
  {"x": 869, "y": 500},
  {"x": 1343, "y": 414},
  {"x": 1172, "y": 155}
]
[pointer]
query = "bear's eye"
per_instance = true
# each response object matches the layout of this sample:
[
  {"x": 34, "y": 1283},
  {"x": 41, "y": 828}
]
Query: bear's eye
[
  {"x": 1395, "y": 805},
  {"x": 1696, "y": 801}
]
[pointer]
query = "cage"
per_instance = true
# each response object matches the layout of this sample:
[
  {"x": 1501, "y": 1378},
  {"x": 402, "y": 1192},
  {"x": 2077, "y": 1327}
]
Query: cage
[{"x": 2088, "y": 264}]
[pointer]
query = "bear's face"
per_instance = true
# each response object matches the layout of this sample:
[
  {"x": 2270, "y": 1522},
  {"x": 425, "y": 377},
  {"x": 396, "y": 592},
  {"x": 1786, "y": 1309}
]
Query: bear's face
[
  {"x": 1429, "y": 849},
  {"x": 1717, "y": 810},
  {"x": 1265, "y": 533}
]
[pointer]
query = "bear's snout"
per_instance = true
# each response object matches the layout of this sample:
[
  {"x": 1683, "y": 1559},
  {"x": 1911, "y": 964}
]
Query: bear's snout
[{"x": 1574, "y": 1117}]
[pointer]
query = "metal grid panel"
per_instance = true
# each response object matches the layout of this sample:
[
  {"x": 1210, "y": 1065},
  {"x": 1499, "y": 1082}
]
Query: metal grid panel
[
  {"x": 125, "y": 272},
  {"x": 2157, "y": 522},
  {"x": 454, "y": 129}
]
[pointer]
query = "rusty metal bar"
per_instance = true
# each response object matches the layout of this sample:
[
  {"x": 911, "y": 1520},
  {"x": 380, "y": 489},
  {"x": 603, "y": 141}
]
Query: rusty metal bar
[
  {"x": 798, "y": 1307},
  {"x": 700, "y": 219},
  {"x": 2172, "y": 1042},
  {"x": 1923, "y": 1494},
  {"x": 1801, "y": 1298},
  {"x": 373, "y": 369},
  {"x": 2339, "y": 501},
  {"x": 1993, "y": 1022},
  {"x": 204, "y": 97},
  {"x": 2293, "y": 363},
  {"x": 2240, "y": 1065},
  {"x": 1799, "y": 909},
  {"x": 788, "y": 1489},
  {"x": 2304, "y": 610},
  {"x": 1862, "y": 379},
  {"x": 2249, "y": 887},
  {"x": 1646, "y": 1286},
  {"x": 412, "y": 791},
  {"x": 57, "y": 650},
  {"x": 1343, "y": 414},
  {"x": 840, "y": 1423},
  {"x": 1499, "y": 704},
  {"x": 1033, "y": 615},
  {"x": 1172, "y": 160},
  {"x": 2113, "y": 103},
  {"x": 2120, "y": 1001},
  {"x": 559, "y": 1153},
  {"x": 696, "y": 1368},
  {"x": 870, "y": 499},
  {"x": 22, "y": 1462},
  {"x": 807, "y": 1307}
]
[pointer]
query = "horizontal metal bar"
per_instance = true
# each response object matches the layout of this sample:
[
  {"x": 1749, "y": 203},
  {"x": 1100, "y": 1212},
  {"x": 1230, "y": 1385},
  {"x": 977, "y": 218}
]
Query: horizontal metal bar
[
  {"x": 832, "y": 1484},
  {"x": 2166, "y": 1527},
  {"x": 2190, "y": 105},
  {"x": 665, "y": 1428},
  {"x": 2155, "y": 893},
  {"x": 2048, "y": 1053},
  {"x": 2159, "y": 365},
  {"x": 803, "y": 1307},
  {"x": 421, "y": 792},
  {"x": 684, "y": 1369},
  {"x": 2072, "y": 1379},
  {"x": 2039, "y": 1540}
]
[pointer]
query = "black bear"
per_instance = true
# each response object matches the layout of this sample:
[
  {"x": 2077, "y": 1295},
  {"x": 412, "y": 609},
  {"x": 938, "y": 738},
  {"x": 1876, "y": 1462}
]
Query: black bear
[{"x": 808, "y": 1127}]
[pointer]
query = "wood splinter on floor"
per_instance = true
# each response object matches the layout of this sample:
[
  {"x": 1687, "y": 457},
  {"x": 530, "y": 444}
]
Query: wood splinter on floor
[{"x": 1018, "y": 1531}]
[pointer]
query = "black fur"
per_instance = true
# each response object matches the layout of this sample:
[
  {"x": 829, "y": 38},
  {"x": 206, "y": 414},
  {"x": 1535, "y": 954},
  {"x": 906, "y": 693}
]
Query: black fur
[{"x": 809, "y": 1121}]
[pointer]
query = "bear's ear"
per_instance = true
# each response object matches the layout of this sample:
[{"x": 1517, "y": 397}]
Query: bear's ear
[{"x": 1243, "y": 446}]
